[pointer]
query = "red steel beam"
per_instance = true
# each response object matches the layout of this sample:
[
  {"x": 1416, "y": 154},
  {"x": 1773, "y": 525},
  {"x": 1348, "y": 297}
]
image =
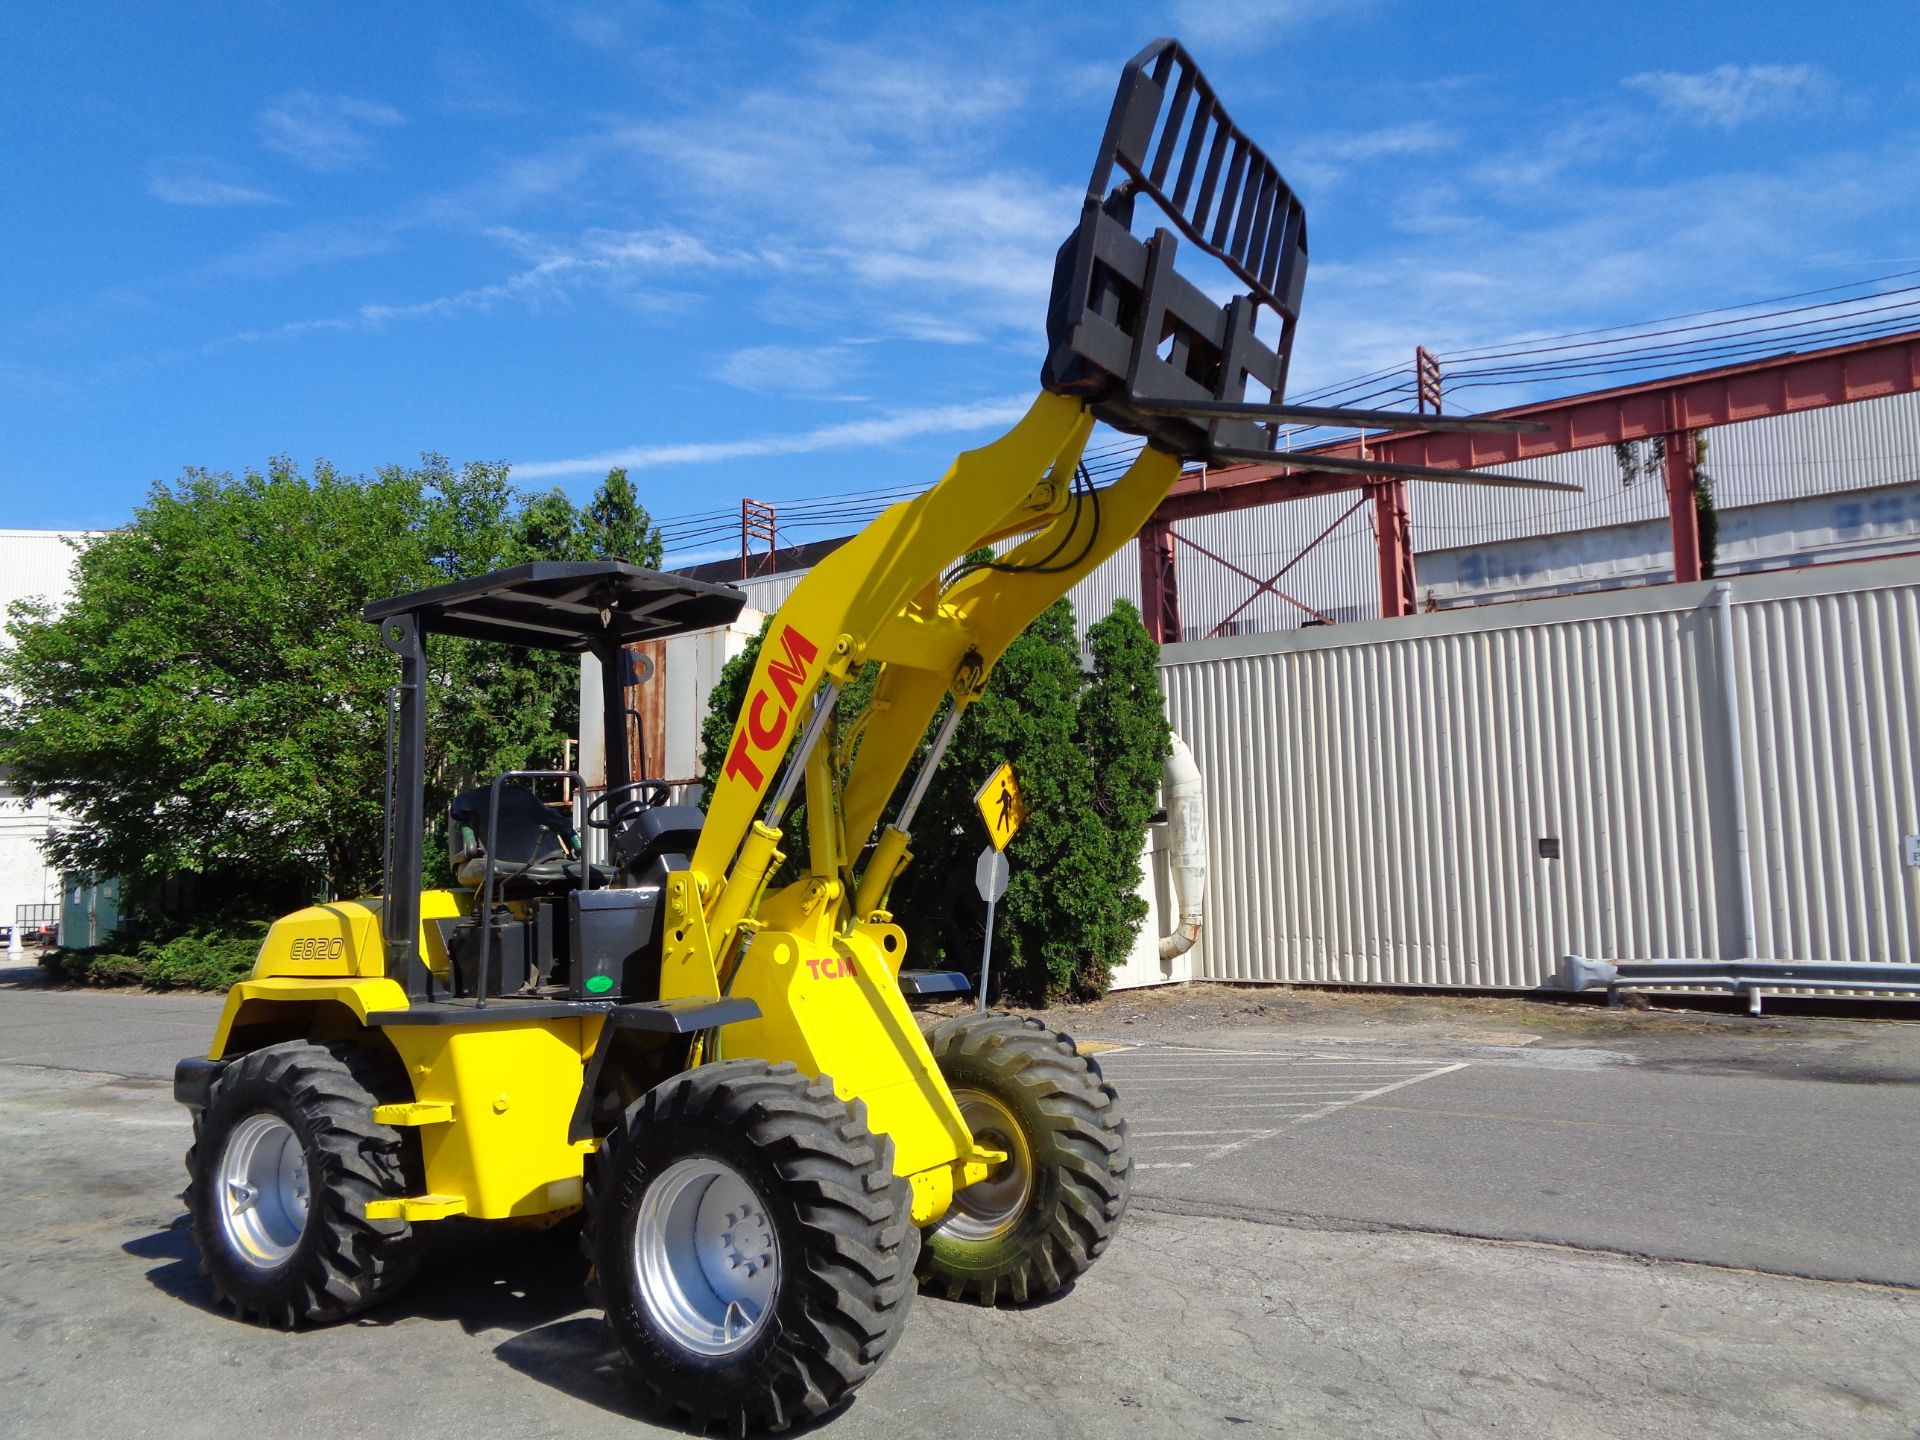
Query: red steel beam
[
  {"x": 1780, "y": 385},
  {"x": 1683, "y": 514},
  {"x": 1393, "y": 542},
  {"x": 1159, "y": 584}
]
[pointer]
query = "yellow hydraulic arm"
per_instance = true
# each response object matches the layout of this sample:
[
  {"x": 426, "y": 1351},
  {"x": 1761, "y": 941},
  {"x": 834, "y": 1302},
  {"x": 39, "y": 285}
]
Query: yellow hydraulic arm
[{"x": 880, "y": 598}]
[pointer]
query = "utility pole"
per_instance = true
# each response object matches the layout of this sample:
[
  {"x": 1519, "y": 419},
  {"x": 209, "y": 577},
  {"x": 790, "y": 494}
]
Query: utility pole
[{"x": 758, "y": 522}]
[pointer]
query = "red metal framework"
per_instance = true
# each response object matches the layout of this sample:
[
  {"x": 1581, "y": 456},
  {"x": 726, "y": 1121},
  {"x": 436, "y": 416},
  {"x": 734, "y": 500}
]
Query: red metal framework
[
  {"x": 1271, "y": 585},
  {"x": 1671, "y": 409}
]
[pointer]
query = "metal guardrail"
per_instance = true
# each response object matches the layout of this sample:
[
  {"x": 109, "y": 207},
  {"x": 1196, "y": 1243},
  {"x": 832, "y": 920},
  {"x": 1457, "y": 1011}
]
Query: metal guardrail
[{"x": 1752, "y": 978}]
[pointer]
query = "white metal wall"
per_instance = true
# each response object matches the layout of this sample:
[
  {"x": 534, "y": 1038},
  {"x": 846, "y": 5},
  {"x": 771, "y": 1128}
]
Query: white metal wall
[
  {"x": 1378, "y": 793},
  {"x": 1830, "y": 695},
  {"x": 34, "y": 565}
]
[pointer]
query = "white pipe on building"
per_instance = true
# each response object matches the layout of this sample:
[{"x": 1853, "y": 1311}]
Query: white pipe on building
[{"x": 1187, "y": 844}]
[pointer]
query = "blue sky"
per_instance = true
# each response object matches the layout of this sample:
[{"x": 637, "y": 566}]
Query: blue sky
[{"x": 788, "y": 250}]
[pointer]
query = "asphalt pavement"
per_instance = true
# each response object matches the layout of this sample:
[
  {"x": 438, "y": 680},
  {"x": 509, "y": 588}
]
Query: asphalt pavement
[
  {"x": 1304, "y": 1257},
  {"x": 1588, "y": 1148}
]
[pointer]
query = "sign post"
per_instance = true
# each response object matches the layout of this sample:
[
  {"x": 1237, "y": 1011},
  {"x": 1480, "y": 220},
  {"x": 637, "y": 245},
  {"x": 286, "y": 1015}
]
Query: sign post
[
  {"x": 1003, "y": 808},
  {"x": 990, "y": 877}
]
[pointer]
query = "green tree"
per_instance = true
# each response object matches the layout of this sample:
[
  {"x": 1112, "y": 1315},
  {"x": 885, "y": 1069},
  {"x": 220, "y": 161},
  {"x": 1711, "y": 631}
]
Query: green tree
[
  {"x": 208, "y": 704},
  {"x": 1124, "y": 734},
  {"x": 211, "y": 704},
  {"x": 617, "y": 526},
  {"x": 1057, "y": 889},
  {"x": 1705, "y": 509},
  {"x": 548, "y": 527}
]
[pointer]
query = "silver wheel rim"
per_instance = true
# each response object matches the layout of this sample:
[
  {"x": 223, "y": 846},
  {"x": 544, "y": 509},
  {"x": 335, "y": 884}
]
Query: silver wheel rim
[
  {"x": 706, "y": 1256},
  {"x": 987, "y": 1209},
  {"x": 262, "y": 1190}
]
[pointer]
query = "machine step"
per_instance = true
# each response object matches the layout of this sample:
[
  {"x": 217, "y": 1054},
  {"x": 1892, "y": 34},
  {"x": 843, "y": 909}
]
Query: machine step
[
  {"x": 414, "y": 1112},
  {"x": 417, "y": 1207}
]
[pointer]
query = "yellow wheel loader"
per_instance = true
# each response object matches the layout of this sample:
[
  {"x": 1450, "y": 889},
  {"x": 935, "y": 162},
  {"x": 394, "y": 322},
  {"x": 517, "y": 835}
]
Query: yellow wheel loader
[{"x": 723, "y": 1075}]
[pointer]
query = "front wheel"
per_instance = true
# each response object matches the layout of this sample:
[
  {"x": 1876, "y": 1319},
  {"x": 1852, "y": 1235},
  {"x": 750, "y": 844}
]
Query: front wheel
[
  {"x": 751, "y": 1246},
  {"x": 1046, "y": 1213},
  {"x": 284, "y": 1160}
]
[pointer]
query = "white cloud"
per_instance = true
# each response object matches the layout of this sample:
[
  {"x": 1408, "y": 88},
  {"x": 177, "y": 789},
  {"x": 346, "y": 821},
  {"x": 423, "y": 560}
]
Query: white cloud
[
  {"x": 471, "y": 86},
  {"x": 282, "y": 252},
  {"x": 880, "y": 175},
  {"x": 613, "y": 258},
  {"x": 932, "y": 329},
  {"x": 1220, "y": 22},
  {"x": 1319, "y": 162},
  {"x": 1417, "y": 137},
  {"x": 787, "y": 369},
  {"x": 325, "y": 132},
  {"x": 202, "y": 191},
  {"x": 1730, "y": 95},
  {"x": 847, "y": 435}
]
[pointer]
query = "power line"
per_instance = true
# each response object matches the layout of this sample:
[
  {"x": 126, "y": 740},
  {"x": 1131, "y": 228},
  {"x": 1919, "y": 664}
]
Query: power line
[
  {"x": 1598, "y": 367},
  {"x": 1907, "y": 309},
  {"x": 1472, "y": 353}
]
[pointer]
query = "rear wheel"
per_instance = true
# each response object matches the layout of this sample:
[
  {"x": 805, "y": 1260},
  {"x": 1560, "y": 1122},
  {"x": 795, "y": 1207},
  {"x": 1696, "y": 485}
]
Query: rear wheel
[
  {"x": 284, "y": 1159},
  {"x": 1043, "y": 1215},
  {"x": 751, "y": 1245}
]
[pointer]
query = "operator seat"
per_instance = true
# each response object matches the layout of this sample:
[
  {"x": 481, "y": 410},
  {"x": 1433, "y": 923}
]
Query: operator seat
[{"x": 535, "y": 852}]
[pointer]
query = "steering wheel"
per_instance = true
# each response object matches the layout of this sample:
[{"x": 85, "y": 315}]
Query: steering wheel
[{"x": 623, "y": 802}]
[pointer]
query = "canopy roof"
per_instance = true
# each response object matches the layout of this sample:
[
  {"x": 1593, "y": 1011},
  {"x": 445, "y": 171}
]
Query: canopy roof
[{"x": 566, "y": 605}]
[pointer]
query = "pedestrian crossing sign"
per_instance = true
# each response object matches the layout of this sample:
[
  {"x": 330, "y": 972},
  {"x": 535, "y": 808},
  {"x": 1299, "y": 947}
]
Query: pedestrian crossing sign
[{"x": 1001, "y": 805}]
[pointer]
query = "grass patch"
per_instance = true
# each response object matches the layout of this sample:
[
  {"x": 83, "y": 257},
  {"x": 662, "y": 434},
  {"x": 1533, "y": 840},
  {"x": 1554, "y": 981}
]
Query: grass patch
[{"x": 210, "y": 958}]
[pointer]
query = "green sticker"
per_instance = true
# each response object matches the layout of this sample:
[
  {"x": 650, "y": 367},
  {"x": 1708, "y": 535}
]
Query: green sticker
[{"x": 599, "y": 984}]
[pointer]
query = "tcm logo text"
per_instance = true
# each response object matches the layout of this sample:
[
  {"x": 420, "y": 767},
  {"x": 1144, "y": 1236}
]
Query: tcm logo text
[
  {"x": 770, "y": 706},
  {"x": 832, "y": 967}
]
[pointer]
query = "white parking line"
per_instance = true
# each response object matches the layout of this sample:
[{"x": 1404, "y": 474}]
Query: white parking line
[
  {"x": 1279, "y": 1087},
  {"x": 1170, "y": 1065},
  {"x": 1226, "y": 1150},
  {"x": 1170, "y": 1056},
  {"x": 1167, "y": 1053},
  {"x": 1163, "y": 1149},
  {"x": 1260, "y": 1066},
  {"x": 1287, "y": 1075},
  {"x": 1299, "y": 1086}
]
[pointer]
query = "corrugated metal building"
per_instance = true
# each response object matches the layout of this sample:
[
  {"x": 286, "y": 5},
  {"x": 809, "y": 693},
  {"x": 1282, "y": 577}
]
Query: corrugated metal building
[{"x": 1721, "y": 770}]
